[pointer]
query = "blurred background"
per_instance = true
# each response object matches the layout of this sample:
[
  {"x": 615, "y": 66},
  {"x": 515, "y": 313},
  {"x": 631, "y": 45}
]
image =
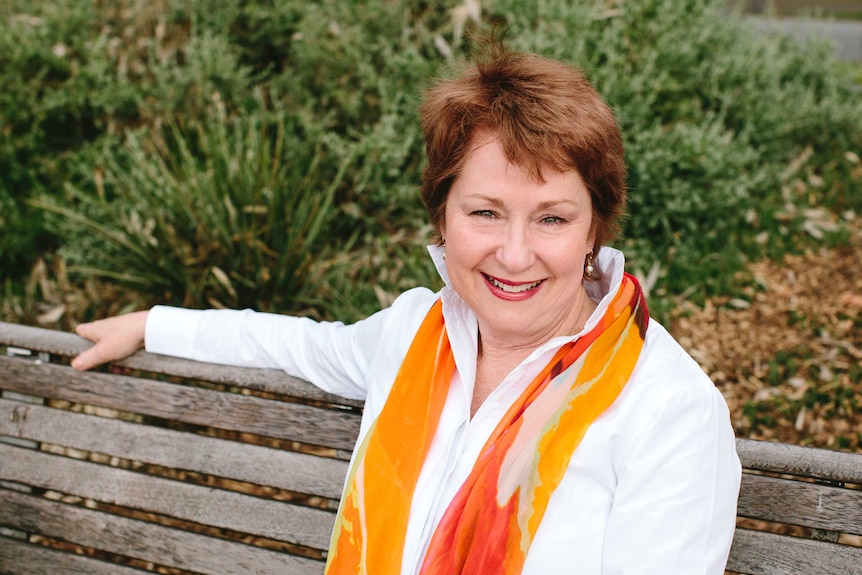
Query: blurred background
[{"x": 266, "y": 154}]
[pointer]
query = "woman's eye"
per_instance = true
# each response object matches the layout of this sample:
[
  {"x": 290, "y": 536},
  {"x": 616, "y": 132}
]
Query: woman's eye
[
  {"x": 552, "y": 220},
  {"x": 483, "y": 213}
]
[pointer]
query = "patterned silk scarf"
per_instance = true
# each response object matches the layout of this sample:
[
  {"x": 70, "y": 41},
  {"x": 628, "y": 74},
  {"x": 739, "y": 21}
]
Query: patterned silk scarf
[{"x": 489, "y": 525}]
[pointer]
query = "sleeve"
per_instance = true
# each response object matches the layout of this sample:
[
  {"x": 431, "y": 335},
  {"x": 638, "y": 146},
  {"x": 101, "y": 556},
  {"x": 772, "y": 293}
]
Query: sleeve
[
  {"x": 334, "y": 356},
  {"x": 674, "y": 509}
]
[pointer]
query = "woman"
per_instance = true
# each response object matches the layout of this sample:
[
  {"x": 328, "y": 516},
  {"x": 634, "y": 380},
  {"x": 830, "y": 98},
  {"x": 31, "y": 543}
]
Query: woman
[{"x": 528, "y": 418}]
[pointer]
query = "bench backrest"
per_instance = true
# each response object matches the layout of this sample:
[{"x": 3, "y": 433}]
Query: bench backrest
[
  {"x": 182, "y": 467},
  {"x": 800, "y": 511},
  {"x": 162, "y": 462}
]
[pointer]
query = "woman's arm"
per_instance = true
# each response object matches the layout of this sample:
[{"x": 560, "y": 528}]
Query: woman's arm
[
  {"x": 674, "y": 508},
  {"x": 334, "y": 356},
  {"x": 331, "y": 355}
]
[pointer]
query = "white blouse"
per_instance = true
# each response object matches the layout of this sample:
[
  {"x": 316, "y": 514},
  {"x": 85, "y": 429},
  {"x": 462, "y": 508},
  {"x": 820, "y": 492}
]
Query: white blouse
[{"x": 651, "y": 489}]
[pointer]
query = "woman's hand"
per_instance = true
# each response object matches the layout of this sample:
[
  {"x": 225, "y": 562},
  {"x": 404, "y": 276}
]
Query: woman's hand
[{"x": 115, "y": 338}]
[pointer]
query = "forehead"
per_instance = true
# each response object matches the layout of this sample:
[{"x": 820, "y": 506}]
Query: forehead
[{"x": 488, "y": 171}]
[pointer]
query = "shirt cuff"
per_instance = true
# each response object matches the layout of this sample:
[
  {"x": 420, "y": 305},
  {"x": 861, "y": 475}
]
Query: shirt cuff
[{"x": 171, "y": 331}]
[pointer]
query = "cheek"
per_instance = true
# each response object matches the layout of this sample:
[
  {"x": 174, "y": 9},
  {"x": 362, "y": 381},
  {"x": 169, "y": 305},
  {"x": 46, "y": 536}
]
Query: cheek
[
  {"x": 464, "y": 257},
  {"x": 457, "y": 230},
  {"x": 567, "y": 258},
  {"x": 458, "y": 251}
]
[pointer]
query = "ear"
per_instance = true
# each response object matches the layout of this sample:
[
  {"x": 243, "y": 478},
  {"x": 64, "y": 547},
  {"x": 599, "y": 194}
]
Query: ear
[{"x": 591, "y": 238}]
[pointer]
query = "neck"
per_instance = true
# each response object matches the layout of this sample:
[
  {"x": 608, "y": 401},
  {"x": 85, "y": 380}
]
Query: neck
[
  {"x": 499, "y": 356},
  {"x": 493, "y": 344}
]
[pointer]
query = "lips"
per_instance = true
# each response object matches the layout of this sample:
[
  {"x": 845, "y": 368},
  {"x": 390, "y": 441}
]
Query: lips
[{"x": 512, "y": 288}]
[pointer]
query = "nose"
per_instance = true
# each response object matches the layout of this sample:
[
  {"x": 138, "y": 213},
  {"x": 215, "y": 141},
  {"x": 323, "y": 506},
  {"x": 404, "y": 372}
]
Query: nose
[{"x": 515, "y": 252}]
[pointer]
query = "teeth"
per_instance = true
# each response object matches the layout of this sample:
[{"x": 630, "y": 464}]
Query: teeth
[{"x": 513, "y": 289}]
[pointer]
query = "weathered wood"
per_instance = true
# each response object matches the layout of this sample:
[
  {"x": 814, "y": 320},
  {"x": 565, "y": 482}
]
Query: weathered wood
[
  {"x": 801, "y": 503},
  {"x": 17, "y": 558},
  {"x": 828, "y": 509},
  {"x": 759, "y": 553},
  {"x": 297, "y": 422},
  {"x": 146, "y": 541},
  {"x": 798, "y": 460},
  {"x": 256, "y": 464},
  {"x": 206, "y": 505},
  {"x": 270, "y": 380}
]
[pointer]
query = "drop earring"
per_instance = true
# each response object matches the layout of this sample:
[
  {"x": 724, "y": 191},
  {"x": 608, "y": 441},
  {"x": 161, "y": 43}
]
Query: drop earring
[
  {"x": 590, "y": 268},
  {"x": 444, "y": 248}
]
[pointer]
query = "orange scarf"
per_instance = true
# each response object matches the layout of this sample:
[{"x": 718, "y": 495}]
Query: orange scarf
[{"x": 489, "y": 525}]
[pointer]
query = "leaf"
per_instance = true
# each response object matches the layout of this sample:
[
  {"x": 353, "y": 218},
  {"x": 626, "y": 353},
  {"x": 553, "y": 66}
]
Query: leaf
[
  {"x": 224, "y": 281},
  {"x": 53, "y": 315}
]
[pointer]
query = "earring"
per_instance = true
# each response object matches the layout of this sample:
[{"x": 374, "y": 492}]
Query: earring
[
  {"x": 590, "y": 268},
  {"x": 443, "y": 243}
]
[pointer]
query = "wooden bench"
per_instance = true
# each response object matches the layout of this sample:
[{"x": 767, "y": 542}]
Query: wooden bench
[{"x": 171, "y": 466}]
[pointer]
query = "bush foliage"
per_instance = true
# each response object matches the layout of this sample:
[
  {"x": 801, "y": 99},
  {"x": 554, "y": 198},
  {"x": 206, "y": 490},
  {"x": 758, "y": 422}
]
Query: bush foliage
[
  {"x": 225, "y": 214},
  {"x": 267, "y": 153}
]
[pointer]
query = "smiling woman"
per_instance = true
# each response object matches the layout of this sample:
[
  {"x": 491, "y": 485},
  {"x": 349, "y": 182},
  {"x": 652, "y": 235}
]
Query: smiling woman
[
  {"x": 516, "y": 249},
  {"x": 528, "y": 418}
]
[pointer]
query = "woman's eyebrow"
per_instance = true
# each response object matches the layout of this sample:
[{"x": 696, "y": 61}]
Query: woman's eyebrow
[
  {"x": 497, "y": 202},
  {"x": 556, "y": 203}
]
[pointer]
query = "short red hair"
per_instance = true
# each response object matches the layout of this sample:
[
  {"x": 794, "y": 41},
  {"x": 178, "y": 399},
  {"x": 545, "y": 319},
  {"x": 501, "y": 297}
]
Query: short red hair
[{"x": 546, "y": 114}]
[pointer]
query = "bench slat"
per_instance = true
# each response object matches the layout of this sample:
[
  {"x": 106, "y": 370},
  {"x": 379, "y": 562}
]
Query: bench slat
[
  {"x": 759, "y": 553},
  {"x": 206, "y": 505},
  {"x": 256, "y": 464},
  {"x": 146, "y": 541},
  {"x": 271, "y": 380},
  {"x": 17, "y": 558},
  {"x": 798, "y": 460},
  {"x": 801, "y": 503},
  {"x": 297, "y": 422}
]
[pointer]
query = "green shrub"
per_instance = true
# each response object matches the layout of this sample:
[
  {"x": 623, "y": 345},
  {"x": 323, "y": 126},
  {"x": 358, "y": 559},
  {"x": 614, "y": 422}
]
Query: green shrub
[
  {"x": 226, "y": 213},
  {"x": 739, "y": 144},
  {"x": 73, "y": 73},
  {"x": 31, "y": 67}
]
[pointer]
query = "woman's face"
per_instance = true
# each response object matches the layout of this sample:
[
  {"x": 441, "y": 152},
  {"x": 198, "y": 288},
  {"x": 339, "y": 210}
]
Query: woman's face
[{"x": 515, "y": 247}]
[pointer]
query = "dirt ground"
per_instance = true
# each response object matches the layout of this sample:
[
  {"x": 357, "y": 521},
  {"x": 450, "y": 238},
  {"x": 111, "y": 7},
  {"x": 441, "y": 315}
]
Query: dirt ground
[{"x": 788, "y": 357}]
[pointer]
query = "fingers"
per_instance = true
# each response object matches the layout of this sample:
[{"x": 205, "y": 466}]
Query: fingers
[
  {"x": 115, "y": 338},
  {"x": 85, "y": 330},
  {"x": 91, "y": 358}
]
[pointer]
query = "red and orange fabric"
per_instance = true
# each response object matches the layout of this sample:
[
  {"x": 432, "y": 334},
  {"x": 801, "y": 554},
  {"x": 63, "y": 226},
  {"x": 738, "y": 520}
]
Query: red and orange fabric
[{"x": 489, "y": 525}]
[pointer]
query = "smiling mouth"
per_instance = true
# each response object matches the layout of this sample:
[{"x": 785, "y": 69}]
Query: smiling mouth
[{"x": 509, "y": 288}]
